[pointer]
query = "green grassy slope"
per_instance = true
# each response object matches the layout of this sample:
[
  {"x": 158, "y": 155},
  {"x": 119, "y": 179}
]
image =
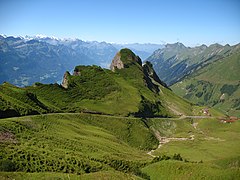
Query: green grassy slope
[
  {"x": 131, "y": 91},
  {"x": 75, "y": 146},
  {"x": 189, "y": 171},
  {"x": 16, "y": 101},
  {"x": 217, "y": 85},
  {"x": 74, "y": 143},
  {"x": 212, "y": 154},
  {"x": 212, "y": 139},
  {"x": 103, "y": 175}
]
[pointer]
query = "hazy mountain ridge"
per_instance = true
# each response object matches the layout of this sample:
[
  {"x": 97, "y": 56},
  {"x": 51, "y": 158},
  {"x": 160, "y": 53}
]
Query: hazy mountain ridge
[{"x": 205, "y": 75}]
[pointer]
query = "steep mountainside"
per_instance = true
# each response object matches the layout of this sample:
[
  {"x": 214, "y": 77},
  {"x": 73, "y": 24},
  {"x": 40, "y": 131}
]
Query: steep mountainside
[
  {"x": 175, "y": 61},
  {"x": 217, "y": 85},
  {"x": 129, "y": 89}
]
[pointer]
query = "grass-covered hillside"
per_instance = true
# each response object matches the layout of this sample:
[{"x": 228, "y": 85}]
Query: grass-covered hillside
[
  {"x": 75, "y": 144},
  {"x": 84, "y": 146},
  {"x": 217, "y": 85},
  {"x": 134, "y": 90}
]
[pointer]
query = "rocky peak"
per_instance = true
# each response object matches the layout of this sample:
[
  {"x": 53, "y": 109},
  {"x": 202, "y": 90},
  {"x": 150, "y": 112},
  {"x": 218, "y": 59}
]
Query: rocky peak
[
  {"x": 65, "y": 82},
  {"x": 76, "y": 72},
  {"x": 216, "y": 45},
  {"x": 116, "y": 62},
  {"x": 124, "y": 58},
  {"x": 203, "y": 46},
  {"x": 175, "y": 45}
]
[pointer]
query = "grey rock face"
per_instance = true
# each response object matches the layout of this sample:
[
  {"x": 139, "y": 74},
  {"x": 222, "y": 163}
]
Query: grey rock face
[{"x": 117, "y": 63}]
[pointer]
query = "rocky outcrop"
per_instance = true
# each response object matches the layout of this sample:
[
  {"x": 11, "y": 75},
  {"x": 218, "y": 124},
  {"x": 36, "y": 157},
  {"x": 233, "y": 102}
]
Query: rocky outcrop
[
  {"x": 116, "y": 62},
  {"x": 76, "y": 72},
  {"x": 65, "y": 80},
  {"x": 149, "y": 72},
  {"x": 125, "y": 58},
  {"x": 151, "y": 79}
]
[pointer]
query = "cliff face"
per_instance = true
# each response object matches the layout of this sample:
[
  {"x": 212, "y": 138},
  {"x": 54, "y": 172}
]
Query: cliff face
[
  {"x": 76, "y": 72},
  {"x": 116, "y": 62},
  {"x": 149, "y": 72},
  {"x": 65, "y": 80},
  {"x": 125, "y": 58}
]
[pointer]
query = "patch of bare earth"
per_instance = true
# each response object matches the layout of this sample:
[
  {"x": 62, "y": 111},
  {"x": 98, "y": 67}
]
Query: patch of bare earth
[
  {"x": 7, "y": 137},
  {"x": 164, "y": 140}
]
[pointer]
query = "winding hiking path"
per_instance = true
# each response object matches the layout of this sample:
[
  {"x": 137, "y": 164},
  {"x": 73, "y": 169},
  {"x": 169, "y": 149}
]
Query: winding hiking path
[
  {"x": 164, "y": 140},
  {"x": 196, "y": 117}
]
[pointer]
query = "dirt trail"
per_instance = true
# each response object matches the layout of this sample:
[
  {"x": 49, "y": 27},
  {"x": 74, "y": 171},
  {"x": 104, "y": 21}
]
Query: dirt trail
[
  {"x": 196, "y": 117},
  {"x": 195, "y": 125},
  {"x": 164, "y": 140}
]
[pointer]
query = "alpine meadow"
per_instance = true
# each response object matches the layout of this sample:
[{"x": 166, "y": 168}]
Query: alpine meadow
[{"x": 119, "y": 90}]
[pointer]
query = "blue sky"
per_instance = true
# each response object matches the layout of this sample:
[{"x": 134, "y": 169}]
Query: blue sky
[{"x": 191, "y": 22}]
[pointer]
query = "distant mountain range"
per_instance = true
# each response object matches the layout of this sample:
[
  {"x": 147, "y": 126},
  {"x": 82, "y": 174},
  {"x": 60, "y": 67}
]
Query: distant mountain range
[
  {"x": 205, "y": 75},
  {"x": 216, "y": 85},
  {"x": 25, "y": 60},
  {"x": 175, "y": 61}
]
